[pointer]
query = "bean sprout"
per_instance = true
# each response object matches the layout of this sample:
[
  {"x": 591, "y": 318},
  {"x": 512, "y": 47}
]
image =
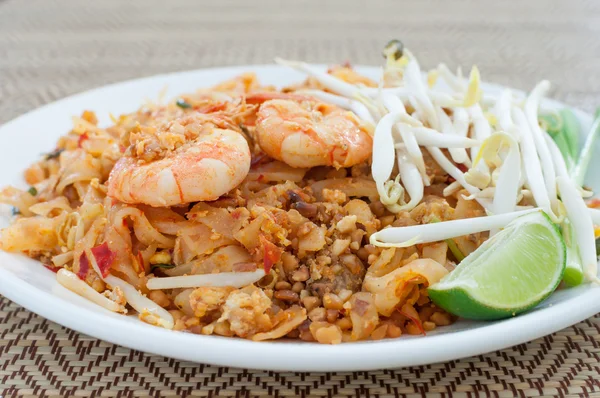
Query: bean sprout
[
  {"x": 531, "y": 111},
  {"x": 427, "y": 137},
  {"x": 458, "y": 175},
  {"x": 234, "y": 279},
  {"x": 418, "y": 234},
  {"x": 359, "y": 108},
  {"x": 507, "y": 185},
  {"x": 459, "y": 155},
  {"x": 149, "y": 311},
  {"x": 383, "y": 160},
  {"x": 532, "y": 167},
  {"x": 393, "y": 104},
  {"x": 72, "y": 282},
  {"x": 420, "y": 100}
]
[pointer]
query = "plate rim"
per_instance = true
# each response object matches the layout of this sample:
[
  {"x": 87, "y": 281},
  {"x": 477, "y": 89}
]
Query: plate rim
[{"x": 355, "y": 356}]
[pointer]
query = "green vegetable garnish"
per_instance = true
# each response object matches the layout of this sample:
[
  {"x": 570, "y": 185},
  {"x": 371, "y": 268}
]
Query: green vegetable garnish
[
  {"x": 458, "y": 255},
  {"x": 32, "y": 191},
  {"x": 563, "y": 126},
  {"x": 162, "y": 266},
  {"x": 574, "y": 268},
  {"x": 580, "y": 169},
  {"x": 182, "y": 104}
]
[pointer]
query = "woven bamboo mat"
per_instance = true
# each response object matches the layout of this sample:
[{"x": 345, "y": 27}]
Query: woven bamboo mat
[{"x": 50, "y": 49}]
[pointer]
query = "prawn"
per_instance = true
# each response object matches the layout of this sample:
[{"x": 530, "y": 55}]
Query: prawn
[
  {"x": 303, "y": 132},
  {"x": 196, "y": 157}
]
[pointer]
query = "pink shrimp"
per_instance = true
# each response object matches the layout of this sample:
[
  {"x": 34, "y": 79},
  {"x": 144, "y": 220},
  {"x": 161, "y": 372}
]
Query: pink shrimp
[
  {"x": 193, "y": 158},
  {"x": 304, "y": 132}
]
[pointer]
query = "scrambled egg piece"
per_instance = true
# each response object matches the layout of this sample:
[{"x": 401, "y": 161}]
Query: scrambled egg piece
[
  {"x": 205, "y": 299},
  {"x": 245, "y": 310}
]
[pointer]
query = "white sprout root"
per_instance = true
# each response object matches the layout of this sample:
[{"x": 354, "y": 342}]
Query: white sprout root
[
  {"x": 384, "y": 155},
  {"x": 149, "y": 311},
  {"x": 417, "y": 234},
  {"x": 72, "y": 282},
  {"x": 531, "y": 112},
  {"x": 411, "y": 179},
  {"x": 330, "y": 82},
  {"x": 507, "y": 184},
  {"x": 393, "y": 104},
  {"x": 428, "y": 137},
  {"x": 355, "y": 106},
  {"x": 458, "y": 175},
  {"x": 234, "y": 279},
  {"x": 459, "y": 155},
  {"x": 531, "y": 163}
]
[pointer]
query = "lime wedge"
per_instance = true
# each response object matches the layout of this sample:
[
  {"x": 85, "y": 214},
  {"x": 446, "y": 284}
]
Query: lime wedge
[{"x": 511, "y": 272}]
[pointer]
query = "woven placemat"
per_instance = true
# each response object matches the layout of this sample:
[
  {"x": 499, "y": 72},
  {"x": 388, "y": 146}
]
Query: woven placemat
[{"x": 50, "y": 49}]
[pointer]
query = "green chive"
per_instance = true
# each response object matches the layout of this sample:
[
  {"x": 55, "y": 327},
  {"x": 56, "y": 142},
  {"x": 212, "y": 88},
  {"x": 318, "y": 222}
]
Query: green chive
[
  {"x": 563, "y": 126},
  {"x": 182, "y": 104},
  {"x": 32, "y": 191},
  {"x": 581, "y": 167},
  {"x": 162, "y": 266},
  {"x": 458, "y": 255}
]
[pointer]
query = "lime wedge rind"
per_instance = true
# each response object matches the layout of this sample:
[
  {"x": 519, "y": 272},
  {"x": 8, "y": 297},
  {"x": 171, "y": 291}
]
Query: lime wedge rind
[{"x": 510, "y": 273}]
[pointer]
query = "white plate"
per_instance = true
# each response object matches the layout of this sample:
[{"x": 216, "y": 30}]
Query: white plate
[{"x": 34, "y": 287}]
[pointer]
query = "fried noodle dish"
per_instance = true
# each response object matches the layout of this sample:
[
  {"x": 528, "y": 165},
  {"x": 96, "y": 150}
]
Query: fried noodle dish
[{"x": 243, "y": 210}]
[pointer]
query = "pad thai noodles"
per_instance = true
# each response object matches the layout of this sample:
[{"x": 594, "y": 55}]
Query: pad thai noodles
[{"x": 320, "y": 211}]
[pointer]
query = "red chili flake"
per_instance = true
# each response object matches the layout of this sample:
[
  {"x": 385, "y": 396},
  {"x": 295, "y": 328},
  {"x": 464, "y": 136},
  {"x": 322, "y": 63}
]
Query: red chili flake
[
  {"x": 271, "y": 253},
  {"x": 140, "y": 258},
  {"x": 52, "y": 267},
  {"x": 84, "y": 266},
  {"x": 417, "y": 322},
  {"x": 104, "y": 258},
  {"x": 82, "y": 138},
  {"x": 122, "y": 148}
]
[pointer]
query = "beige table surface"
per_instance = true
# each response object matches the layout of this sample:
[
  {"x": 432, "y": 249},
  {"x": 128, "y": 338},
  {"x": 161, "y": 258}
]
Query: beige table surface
[{"x": 51, "y": 49}]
